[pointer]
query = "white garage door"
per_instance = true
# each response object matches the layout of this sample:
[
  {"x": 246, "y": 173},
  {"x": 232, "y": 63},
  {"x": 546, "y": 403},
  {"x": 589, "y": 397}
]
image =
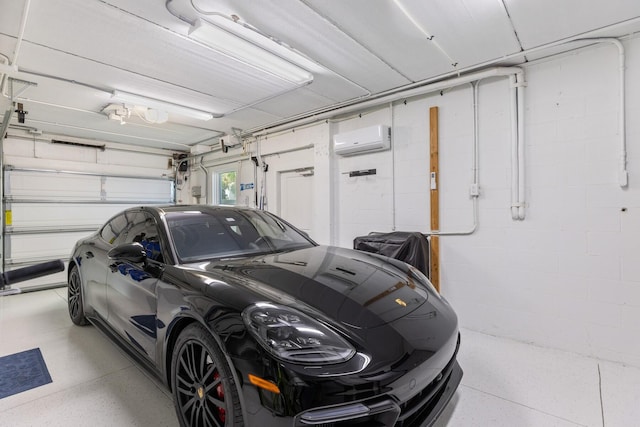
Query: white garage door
[{"x": 46, "y": 212}]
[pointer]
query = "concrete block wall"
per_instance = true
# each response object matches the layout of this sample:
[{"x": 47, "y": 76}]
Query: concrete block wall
[{"x": 566, "y": 277}]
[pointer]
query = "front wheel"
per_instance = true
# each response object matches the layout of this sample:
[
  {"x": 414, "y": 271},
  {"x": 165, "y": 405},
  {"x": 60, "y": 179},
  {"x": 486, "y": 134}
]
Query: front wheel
[
  {"x": 204, "y": 392},
  {"x": 74, "y": 298}
]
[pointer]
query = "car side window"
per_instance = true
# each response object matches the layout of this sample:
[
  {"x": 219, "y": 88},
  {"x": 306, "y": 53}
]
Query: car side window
[
  {"x": 114, "y": 229},
  {"x": 142, "y": 228}
]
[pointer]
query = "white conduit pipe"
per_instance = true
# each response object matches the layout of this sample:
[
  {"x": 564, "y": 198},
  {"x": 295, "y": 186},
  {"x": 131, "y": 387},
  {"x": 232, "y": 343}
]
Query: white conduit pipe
[
  {"x": 206, "y": 182},
  {"x": 476, "y": 136},
  {"x": 517, "y": 117},
  {"x": 517, "y": 146},
  {"x": 393, "y": 168},
  {"x": 475, "y": 185},
  {"x": 422, "y": 90},
  {"x": 520, "y": 143},
  {"x": 23, "y": 24},
  {"x": 516, "y": 80},
  {"x": 514, "y": 147},
  {"x": 623, "y": 174},
  {"x": 11, "y": 66}
]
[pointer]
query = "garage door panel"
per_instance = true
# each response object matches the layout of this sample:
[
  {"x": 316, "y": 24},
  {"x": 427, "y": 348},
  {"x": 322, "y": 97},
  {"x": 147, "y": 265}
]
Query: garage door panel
[
  {"x": 24, "y": 248},
  {"x": 29, "y": 185},
  {"x": 151, "y": 191},
  {"x": 29, "y": 216},
  {"x": 36, "y": 186}
]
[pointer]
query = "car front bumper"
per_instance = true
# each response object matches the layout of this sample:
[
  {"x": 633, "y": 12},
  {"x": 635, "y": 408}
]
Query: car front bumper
[
  {"x": 413, "y": 393},
  {"x": 421, "y": 410}
]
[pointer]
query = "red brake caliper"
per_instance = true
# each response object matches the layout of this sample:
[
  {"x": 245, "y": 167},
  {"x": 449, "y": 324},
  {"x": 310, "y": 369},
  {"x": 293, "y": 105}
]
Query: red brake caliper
[{"x": 222, "y": 413}]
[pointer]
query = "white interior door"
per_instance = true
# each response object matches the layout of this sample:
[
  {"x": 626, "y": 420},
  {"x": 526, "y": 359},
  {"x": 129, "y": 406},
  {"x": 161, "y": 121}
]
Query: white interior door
[{"x": 296, "y": 201}]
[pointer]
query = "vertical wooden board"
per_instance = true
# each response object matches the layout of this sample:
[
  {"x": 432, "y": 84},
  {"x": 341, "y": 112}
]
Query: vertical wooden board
[{"x": 434, "y": 258}]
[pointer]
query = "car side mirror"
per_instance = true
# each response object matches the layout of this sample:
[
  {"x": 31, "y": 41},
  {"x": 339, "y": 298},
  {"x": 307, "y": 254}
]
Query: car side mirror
[{"x": 130, "y": 252}]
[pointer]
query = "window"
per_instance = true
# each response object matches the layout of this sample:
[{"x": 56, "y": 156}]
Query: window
[
  {"x": 142, "y": 229},
  {"x": 224, "y": 232},
  {"x": 226, "y": 188},
  {"x": 114, "y": 228},
  {"x": 134, "y": 226}
]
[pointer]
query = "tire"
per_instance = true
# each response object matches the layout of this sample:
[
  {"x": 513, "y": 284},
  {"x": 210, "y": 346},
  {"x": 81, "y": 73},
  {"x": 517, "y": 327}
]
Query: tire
[
  {"x": 74, "y": 298},
  {"x": 204, "y": 392}
]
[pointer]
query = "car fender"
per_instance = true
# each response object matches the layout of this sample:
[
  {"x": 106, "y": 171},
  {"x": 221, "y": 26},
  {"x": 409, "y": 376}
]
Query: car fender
[{"x": 183, "y": 318}]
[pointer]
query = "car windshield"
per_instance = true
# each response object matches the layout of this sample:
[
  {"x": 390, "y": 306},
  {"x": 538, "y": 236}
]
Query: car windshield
[{"x": 228, "y": 233}]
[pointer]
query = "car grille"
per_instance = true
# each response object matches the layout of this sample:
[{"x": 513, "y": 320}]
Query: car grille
[
  {"x": 420, "y": 406},
  {"x": 412, "y": 413}
]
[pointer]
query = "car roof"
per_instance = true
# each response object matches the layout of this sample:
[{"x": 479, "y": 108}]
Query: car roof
[{"x": 186, "y": 208}]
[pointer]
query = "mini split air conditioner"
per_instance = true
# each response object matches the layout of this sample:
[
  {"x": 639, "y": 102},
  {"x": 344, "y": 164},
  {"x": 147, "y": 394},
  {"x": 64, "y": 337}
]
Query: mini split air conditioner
[{"x": 365, "y": 140}]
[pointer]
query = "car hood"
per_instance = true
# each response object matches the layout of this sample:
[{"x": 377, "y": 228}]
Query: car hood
[{"x": 358, "y": 289}]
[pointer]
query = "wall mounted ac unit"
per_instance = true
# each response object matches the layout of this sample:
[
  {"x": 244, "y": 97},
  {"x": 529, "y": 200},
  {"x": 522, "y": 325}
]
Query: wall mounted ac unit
[{"x": 365, "y": 140}]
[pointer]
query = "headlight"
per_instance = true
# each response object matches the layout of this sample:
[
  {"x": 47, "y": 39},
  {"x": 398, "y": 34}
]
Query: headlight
[{"x": 295, "y": 337}]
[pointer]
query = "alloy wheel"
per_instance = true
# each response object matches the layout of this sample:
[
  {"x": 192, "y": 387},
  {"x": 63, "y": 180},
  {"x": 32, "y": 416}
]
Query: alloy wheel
[{"x": 199, "y": 389}]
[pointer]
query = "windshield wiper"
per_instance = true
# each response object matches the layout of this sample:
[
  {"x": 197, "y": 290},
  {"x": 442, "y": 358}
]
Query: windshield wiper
[
  {"x": 281, "y": 225},
  {"x": 233, "y": 258}
]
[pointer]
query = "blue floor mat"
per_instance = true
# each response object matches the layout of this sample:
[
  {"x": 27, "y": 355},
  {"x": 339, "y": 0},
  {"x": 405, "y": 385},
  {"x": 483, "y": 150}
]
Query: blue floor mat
[{"x": 22, "y": 371}]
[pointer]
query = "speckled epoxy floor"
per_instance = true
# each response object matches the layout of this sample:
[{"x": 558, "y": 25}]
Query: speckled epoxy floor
[
  {"x": 506, "y": 383},
  {"x": 93, "y": 382}
]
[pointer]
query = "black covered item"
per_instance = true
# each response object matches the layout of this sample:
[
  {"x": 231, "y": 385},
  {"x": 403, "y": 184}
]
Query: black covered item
[
  {"x": 31, "y": 272},
  {"x": 412, "y": 248}
]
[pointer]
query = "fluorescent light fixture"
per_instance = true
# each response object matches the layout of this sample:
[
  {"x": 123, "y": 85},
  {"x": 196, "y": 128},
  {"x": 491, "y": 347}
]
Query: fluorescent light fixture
[
  {"x": 253, "y": 49},
  {"x": 143, "y": 101}
]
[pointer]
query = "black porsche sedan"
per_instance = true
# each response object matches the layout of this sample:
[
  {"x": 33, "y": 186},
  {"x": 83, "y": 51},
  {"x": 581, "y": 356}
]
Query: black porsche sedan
[{"x": 249, "y": 322}]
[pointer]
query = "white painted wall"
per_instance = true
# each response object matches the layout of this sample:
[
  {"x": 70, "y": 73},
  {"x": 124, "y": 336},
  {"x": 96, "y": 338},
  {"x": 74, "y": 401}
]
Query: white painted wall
[{"x": 568, "y": 276}]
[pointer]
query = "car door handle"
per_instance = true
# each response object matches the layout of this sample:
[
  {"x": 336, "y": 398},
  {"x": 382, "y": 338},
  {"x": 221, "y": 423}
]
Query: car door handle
[{"x": 89, "y": 254}]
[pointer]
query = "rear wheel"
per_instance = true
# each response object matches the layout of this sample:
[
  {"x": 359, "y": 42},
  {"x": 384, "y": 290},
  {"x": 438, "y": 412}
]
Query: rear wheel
[
  {"x": 204, "y": 392},
  {"x": 74, "y": 298}
]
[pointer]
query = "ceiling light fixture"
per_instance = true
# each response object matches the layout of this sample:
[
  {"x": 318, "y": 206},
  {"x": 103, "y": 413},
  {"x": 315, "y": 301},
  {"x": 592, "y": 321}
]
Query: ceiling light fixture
[
  {"x": 252, "y": 48},
  {"x": 143, "y": 101}
]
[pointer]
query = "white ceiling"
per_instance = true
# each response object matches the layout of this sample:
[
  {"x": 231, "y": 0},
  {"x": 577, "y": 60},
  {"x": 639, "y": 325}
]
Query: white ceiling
[{"x": 80, "y": 51}]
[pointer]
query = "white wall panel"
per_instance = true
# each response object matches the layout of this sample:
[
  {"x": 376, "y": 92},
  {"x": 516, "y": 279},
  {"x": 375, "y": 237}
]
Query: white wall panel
[{"x": 567, "y": 276}]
